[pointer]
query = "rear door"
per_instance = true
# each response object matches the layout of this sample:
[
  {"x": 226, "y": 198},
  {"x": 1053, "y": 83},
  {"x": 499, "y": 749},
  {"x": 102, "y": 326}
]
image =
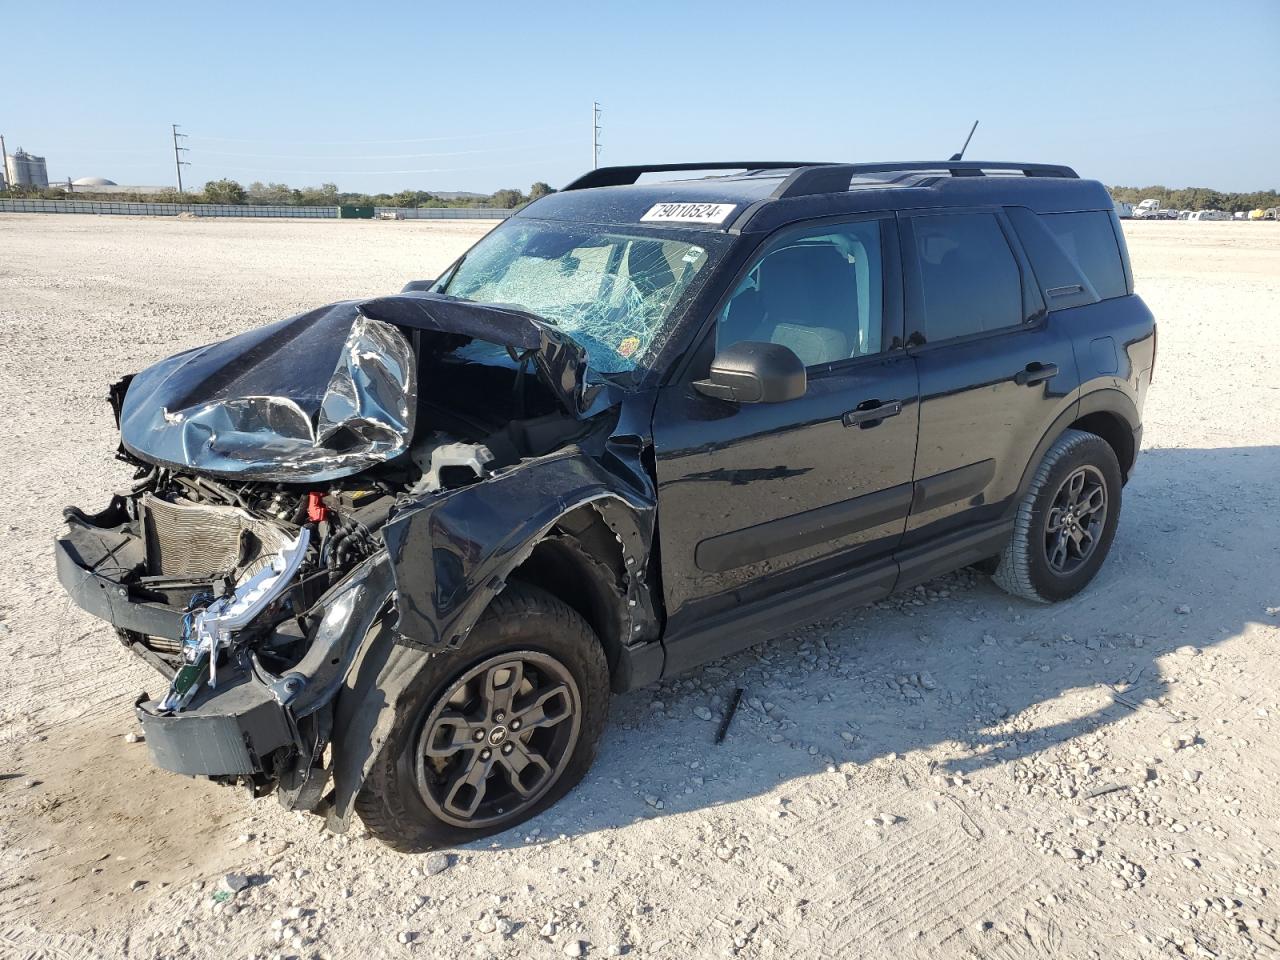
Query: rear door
[
  {"x": 756, "y": 499},
  {"x": 995, "y": 369}
]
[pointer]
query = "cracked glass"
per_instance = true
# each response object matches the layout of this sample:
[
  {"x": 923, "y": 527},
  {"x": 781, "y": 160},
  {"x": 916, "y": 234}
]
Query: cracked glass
[{"x": 610, "y": 291}]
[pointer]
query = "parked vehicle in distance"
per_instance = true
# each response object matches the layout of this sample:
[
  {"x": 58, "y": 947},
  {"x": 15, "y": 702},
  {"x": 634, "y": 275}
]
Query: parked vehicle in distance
[
  {"x": 1123, "y": 210},
  {"x": 392, "y": 555},
  {"x": 1150, "y": 209}
]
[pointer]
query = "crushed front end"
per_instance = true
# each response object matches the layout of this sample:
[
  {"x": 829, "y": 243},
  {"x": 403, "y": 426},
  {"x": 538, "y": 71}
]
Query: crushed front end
[
  {"x": 243, "y": 561},
  {"x": 250, "y": 599},
  {"x": 248, "y": 560}
]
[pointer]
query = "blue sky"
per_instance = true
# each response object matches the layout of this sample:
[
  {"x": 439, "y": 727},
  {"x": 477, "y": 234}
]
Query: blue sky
[{"x": 487, "y": 95}]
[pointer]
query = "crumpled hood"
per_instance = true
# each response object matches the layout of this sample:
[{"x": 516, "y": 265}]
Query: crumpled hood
[
  {"x": 318, "y": 396},
  {"x": 322, "y": 395}
]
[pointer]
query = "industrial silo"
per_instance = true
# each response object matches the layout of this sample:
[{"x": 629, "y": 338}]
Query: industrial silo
[{"x": 27, "y": 170}]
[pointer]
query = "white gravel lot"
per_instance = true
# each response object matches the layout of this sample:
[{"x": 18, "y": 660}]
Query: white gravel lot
[{"x": 950, "y": 773}]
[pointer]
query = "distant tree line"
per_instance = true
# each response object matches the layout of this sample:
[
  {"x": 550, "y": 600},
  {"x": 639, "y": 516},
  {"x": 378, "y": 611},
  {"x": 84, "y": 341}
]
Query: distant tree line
[
  {"x": 325, "y": 195},
  {"x": 1198, "y": 198},
  {"x": 328, "y": 195}
]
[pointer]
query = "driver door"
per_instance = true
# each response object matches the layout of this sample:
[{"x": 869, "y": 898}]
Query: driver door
[{"x": 758, "y": 501}]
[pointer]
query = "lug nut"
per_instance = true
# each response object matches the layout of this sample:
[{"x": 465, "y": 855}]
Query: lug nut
[
  {"x": 506, "y": 748},
  {"x": 515, "y": 724},
  {"x": 479, "y": 736},
  {"x": 485, "y": 754},
  {"x": 499, "y": 716}
]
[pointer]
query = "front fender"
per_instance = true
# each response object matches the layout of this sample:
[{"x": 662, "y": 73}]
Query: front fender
[{"x": 451, "y": 555}]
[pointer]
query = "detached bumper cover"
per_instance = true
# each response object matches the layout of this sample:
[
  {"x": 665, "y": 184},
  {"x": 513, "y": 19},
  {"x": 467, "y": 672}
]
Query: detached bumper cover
[
  {"x": 235, "y": 728},
  {"x": 224, "y": 732}
]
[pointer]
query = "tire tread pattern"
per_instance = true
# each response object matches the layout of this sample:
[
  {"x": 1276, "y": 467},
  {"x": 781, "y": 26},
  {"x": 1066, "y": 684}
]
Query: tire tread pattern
[
  {"x": 1013, "y": 574},
  {"x": 380, "y": 802}
]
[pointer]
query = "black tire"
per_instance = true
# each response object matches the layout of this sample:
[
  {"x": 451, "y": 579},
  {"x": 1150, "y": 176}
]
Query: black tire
[
  {"x": 1032, "y": 565},
  {"x": 399, "y": 803}
]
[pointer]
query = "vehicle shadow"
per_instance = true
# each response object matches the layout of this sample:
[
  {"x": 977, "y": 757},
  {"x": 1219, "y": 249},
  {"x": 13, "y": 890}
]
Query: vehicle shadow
[{"x": 956, "y": 664}]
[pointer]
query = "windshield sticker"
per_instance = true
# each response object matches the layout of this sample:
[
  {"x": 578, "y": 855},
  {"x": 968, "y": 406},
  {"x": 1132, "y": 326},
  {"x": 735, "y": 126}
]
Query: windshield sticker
[
  {"x": 693, "y": 255},
  {"x": 689, "y": 212},
  {"x": 628, "y": 346}
]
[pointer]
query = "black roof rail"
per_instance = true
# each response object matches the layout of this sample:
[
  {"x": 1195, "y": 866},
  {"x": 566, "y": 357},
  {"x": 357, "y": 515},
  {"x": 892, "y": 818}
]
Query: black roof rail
[
  {"x": 621, "y": 176},
  {"x": 835, "y": 178}
]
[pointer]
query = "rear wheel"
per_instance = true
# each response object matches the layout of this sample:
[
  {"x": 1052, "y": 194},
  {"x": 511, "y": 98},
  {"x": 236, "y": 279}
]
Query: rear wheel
[
  {"x": 490, "y": 736},
  {"x": 1065, "y": 523}
]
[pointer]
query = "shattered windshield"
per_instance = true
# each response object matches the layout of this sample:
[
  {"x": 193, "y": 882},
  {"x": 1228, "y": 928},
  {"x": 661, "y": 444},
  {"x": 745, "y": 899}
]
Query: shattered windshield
[{"x": 611, "y": 292}]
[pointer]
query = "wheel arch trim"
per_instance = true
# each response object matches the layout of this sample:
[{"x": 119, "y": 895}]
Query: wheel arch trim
[{"x": 1106, "y": 401}]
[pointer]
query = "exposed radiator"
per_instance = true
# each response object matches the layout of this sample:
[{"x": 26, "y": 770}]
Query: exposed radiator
[{"x": 203, "y": 540}]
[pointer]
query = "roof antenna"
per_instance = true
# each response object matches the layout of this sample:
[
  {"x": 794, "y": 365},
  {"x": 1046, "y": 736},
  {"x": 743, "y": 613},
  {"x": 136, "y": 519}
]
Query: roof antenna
[{"x": 960, "y": 156}]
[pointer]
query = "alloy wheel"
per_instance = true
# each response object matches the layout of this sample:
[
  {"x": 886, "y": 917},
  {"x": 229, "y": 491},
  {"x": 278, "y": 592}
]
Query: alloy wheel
[
  {"x": 1077, "y": 517},
  {"x": 498, "y": 738}
]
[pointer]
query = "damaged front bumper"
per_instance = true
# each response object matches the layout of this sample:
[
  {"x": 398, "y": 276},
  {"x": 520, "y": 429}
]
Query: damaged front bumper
[
  {"x": 255, "y": 725},
  {"x": 91, "y": 557},
  {"x": 237, "y": 729}
]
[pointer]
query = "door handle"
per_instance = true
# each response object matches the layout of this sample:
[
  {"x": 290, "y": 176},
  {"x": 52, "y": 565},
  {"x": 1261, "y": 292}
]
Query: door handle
[
  {"x": 872, "y": 412},
  {"x": 1034, "y": 373}
]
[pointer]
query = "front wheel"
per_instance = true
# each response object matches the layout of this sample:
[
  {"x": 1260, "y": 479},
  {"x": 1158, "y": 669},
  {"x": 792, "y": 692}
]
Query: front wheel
[
  {"x": 1065, "y": 523},
  {"x": 492, "y": 735}
]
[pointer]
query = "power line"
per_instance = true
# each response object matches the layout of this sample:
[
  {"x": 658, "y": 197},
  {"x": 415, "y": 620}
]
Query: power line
[
  {"x": 338, "y": 143},
  {"x": 375, "y": 173},
  {"x": 385, "y": 156}
]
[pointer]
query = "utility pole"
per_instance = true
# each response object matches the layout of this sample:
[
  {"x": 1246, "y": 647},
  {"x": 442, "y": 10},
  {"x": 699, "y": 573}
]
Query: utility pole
[
  {"x": 178, "y": 162},
  {"x": 595, "y": 134},
  {"x": 4, "y": 164}
]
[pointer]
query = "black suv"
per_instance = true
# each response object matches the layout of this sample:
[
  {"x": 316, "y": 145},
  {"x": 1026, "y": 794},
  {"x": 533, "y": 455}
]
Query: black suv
[{"x": 393, "y": 554}]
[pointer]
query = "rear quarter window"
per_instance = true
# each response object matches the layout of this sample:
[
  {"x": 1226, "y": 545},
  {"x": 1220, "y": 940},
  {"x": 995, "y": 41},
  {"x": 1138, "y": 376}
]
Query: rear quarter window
[{"x": 1089, "y": 240}]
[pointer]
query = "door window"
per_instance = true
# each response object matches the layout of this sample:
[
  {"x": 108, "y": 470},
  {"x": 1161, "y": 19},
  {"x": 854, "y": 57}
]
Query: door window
[
  {"x": 819, "y": 292},
  {"x": 968, "y": 275}
]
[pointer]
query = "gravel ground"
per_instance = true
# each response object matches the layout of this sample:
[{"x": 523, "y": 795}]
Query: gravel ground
[{"x": 948, "y": 773}]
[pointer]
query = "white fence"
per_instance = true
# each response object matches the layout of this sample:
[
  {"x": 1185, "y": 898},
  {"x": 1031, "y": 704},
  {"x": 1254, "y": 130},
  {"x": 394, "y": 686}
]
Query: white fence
[
  {"x": 133, "y": 209},
  {"x": 445, "y": 213}
]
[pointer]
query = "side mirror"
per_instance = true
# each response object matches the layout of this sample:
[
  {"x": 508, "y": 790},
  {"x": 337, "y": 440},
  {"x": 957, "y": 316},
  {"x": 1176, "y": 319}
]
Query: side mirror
[{"x": 753, "y": 372}]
